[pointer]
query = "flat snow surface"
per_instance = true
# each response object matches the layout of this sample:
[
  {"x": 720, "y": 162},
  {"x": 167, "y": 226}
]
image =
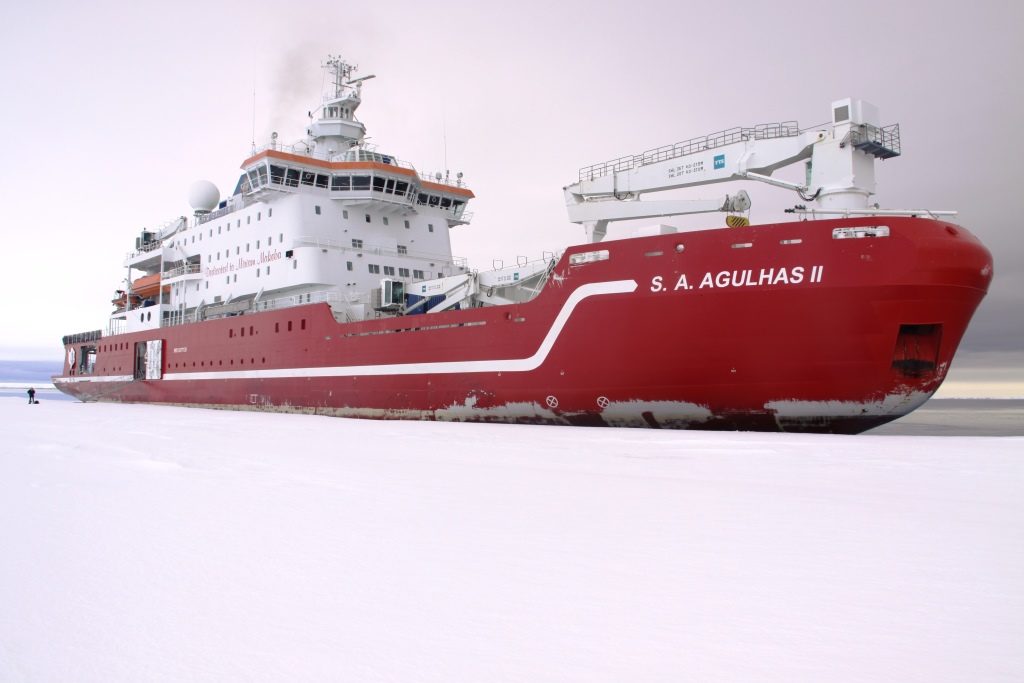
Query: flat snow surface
[{"x": 142, "y": 543}]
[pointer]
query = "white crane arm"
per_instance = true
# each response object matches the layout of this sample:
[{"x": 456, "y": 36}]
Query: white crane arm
[{"x": 840, "y": 158}]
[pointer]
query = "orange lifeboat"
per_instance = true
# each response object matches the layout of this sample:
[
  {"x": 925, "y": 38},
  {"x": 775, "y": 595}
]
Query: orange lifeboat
[{"x": 147, "y": 286}]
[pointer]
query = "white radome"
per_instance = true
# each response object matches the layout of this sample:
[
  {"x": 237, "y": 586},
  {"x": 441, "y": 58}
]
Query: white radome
[{"x": 203, "y": 196}]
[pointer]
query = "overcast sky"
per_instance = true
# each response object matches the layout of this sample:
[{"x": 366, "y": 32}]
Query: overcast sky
[{"x": 111, "y": 109}]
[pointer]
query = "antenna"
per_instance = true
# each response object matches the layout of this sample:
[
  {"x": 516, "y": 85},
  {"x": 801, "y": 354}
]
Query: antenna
[{"x": 254, "y": 117}]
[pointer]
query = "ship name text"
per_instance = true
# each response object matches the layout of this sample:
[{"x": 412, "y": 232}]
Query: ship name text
[
  {"x": 244, "y": 262},
  {"x": 748, "y": 277}
]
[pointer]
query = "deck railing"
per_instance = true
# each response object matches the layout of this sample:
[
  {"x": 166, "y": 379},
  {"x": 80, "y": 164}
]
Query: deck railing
[{"x": 764, "y": 131}]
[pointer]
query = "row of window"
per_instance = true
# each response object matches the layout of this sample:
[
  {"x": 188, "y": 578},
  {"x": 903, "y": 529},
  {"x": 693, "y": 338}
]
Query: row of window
[
  {"x": 375, "y": 269},
  {"x": 238, "y": 249},
  {"x": 277, "y": 328},
  {"x": 202, "y": 363},
  {"x": 358, "y": 244},
  {"x": 229, "y": 279},
  {"x": 369, "y": 219},
  {"x": 293, "y": 177},
  {"x": 220, "y": 228}
]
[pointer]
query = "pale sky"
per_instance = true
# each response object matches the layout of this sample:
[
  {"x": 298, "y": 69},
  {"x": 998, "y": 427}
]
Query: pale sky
[{"x": 111, "y": 109}]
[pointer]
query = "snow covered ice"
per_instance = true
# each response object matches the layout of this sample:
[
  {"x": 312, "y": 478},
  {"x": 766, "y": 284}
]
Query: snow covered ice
[{"x": 158, "y": 543}]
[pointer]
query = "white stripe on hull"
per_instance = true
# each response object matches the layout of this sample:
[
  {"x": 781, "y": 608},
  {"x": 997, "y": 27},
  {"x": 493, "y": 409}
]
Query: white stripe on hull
[{"x": 437, "y": 368}]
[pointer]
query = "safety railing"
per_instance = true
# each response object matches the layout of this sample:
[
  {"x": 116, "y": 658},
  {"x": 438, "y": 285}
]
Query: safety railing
[
  {"x": 187, "y": 269},
  {"x": 764, "y": 131},
  {"x": 323, "y": 296},
  {"x": 883, "y": 142},
  {"x": 82, "y": 337},
  {"x": 440, "y": 259}
]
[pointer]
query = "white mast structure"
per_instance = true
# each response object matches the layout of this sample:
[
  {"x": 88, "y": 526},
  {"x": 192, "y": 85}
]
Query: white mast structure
[{"x": 336, "y": 130}]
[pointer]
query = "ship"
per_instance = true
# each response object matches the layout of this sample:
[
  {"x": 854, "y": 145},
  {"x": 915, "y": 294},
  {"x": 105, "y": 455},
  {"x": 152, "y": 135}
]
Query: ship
[{"x": 325, "y": 283}]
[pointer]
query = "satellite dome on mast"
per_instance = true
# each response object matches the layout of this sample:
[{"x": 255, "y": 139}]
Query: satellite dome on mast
[{"x": 203, "y": 197}]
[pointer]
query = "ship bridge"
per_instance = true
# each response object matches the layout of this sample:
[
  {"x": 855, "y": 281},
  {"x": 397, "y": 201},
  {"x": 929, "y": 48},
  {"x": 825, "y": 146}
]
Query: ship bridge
[{"x": 360, "y": 178}]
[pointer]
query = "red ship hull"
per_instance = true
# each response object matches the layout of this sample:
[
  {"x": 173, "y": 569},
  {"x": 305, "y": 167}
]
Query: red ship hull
[{"x": 774, "y": 327}]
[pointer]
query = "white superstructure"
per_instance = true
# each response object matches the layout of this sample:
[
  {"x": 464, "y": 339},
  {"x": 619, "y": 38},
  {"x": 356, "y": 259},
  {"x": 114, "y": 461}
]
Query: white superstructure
[{"x": 325, "y": 219}]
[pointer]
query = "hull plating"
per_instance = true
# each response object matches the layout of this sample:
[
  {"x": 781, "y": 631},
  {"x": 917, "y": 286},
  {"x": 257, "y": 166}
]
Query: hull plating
[{"x": 777, "y": 327}]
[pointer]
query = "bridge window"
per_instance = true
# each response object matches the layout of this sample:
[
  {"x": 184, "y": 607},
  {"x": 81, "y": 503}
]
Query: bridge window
[
  {"x": 308, "y": 178},
  {"x": 292, "y": 177},
  {"x": 378, "y": 183},
  {"x": 361, "y": 182},
  {"x": 276, "y": 174},
  {"x": 321, "y": 181},
  {"x": 340, "y": 183}
]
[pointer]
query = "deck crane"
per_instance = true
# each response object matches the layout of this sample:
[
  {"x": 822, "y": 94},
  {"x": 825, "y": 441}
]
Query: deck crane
[{"x": 840, "y": 174}]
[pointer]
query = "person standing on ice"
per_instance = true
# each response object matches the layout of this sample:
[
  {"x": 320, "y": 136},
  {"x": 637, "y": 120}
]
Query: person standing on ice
[{"x": 31, "y": 395}]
